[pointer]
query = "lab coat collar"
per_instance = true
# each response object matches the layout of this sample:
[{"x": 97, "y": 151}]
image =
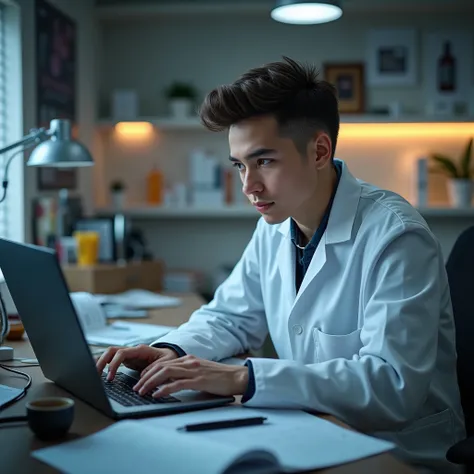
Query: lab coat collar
[{"x": 343, "y": 211}]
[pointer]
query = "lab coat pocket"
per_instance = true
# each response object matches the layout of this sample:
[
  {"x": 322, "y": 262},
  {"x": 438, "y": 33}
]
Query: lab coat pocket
[{"x": 335, "y": 346}]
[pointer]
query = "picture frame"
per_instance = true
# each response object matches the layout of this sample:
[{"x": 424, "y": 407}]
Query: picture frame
[
  {"x": 448, "y": 65},
  {"x": 348, "y": 78},
  {"x": 392, "y": 57},
  {"x": 56, "y": 86}
]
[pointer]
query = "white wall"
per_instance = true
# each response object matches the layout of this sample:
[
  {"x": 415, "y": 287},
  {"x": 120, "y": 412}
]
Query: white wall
[
  {"x": 148, "y": 54},
  {"x": 82, "y": 11},
  {"x": 211, "y": 50}
]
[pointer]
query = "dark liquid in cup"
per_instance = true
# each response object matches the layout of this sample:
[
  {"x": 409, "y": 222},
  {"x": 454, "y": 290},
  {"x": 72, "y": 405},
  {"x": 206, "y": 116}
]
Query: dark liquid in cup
[{"x": 49, "y": 404}]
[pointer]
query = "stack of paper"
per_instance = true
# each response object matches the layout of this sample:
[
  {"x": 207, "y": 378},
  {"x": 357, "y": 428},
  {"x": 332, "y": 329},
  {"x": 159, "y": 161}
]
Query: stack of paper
[
  {"x": 139, "y": 299},
  {"x": 96, "y": 329}
]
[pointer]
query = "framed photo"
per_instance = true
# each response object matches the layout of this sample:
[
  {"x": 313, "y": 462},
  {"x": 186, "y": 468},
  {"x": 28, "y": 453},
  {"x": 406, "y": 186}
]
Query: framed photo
[
  {"x": 349, "y": 82},
  {"x": 392, "y": 57},
  {"x": 448, "y": 66},
  {"x": 56, "y": 69}
]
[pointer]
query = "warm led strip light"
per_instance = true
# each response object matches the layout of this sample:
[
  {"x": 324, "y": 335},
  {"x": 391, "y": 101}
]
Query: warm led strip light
[
  {"x": 407, "y": 130},
  {"x": 134, "y": 129},
  {"x": 349, "y": 130}
]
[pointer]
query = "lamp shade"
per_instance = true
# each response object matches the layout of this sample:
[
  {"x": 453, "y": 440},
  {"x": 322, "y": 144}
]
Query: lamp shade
[
  {"x": 60, "y": 151},
  {"x": 306, "y": 12}
]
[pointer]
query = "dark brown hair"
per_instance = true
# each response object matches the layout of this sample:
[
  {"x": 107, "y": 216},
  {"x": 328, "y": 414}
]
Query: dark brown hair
[{"x": 290, "y": 91}]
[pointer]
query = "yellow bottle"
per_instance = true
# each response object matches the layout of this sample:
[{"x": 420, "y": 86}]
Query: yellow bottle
[{"x": 155, "y": 187}]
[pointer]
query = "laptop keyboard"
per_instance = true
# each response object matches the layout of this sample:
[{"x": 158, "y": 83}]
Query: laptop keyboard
[{"x": 121, "y": 390}]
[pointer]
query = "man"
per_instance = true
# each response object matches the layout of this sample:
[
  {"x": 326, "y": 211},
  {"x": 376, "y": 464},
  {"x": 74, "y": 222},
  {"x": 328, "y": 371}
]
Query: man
[{"x": 346, "y": 278}]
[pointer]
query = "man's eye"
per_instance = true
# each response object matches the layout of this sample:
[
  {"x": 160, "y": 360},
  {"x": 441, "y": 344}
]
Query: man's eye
[
  {"x": 264, "y": 161},
  {"x": 239, "y": 166}
]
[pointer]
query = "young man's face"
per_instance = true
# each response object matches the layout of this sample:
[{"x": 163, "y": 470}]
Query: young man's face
[{"x": 278, "y": 181}]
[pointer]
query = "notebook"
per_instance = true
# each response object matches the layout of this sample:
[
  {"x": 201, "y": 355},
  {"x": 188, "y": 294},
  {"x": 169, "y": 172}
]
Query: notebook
[{"x": 290, "y": 440}]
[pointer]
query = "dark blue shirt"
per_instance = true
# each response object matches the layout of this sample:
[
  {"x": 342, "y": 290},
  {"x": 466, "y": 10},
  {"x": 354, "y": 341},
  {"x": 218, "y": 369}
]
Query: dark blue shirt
[{"x": 304, "y": 256}]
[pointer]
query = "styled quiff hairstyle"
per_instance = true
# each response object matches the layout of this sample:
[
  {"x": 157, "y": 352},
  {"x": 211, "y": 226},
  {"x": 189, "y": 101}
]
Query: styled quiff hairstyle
[{"x": 290, "y": 91}]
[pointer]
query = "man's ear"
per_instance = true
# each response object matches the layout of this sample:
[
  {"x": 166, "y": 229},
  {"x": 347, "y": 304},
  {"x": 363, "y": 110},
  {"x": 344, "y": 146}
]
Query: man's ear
[{"x": 321, "y": 150}]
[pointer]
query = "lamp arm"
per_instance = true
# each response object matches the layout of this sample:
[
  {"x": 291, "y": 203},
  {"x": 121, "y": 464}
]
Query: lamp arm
[{"x": 33, "y": 137}]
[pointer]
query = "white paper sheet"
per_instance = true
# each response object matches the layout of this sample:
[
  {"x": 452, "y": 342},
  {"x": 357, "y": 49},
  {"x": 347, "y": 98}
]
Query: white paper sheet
[
  {"x": 126, "y": 334},
  {"x": 139, "y": 299},
  {"x": 7, "y": 394},
  {"x": 128, "y": 447},
  {"x": 298, "y": 441}
]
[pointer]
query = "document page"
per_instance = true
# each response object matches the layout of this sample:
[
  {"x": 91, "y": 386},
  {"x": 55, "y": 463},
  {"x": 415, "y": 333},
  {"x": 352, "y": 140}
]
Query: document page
[
  {"x": 299, "y": 440},
  {"x": 128, "y": 447}
]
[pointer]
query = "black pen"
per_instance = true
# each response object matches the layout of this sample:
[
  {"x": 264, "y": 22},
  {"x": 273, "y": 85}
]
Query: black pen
[{"x": 217, "y": 425}]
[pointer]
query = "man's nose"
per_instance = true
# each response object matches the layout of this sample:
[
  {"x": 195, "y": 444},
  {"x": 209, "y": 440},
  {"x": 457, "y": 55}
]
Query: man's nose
[{"x": 251, "y": 183}]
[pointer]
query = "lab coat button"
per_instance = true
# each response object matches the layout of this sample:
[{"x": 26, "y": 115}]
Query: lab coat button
[{"x": 298, "y": 329}]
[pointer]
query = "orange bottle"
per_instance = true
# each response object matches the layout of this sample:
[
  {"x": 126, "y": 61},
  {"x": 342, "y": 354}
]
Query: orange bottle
[{"x": 155, "y": 186}]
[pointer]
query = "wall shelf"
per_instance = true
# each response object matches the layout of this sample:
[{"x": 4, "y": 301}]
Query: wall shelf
[
  {"x": 247, "y": 211},
  {"x": 193, "y": 123},
  {"x": 163, "y": 123},
  {"x": 152, "y": 212}
]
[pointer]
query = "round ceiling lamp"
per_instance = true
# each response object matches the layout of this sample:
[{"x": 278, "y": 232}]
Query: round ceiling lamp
[{"x": 304, "y": 12}]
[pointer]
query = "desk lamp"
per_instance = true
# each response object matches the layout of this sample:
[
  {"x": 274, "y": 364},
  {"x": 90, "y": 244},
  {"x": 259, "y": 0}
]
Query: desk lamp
[{"x": 55, "y": 149}]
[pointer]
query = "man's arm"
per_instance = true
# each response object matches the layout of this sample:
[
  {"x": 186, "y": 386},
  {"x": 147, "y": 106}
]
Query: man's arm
[
  {"x": 233, "y": 322},
  {"x": 386, "y": 383}
]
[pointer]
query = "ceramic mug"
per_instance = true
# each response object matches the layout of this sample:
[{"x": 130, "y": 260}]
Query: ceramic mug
[{"x": 50, "y": 417}]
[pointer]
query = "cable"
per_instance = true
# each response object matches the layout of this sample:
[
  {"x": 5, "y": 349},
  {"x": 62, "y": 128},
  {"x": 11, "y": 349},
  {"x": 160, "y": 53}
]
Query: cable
[
  {"x": 23, "y": 365},
  {"x": 25, "y": 388},
  {"x": 3, "y": 318},
  {"x": 5, "y": 174},
  {"x": 13, "y": 419}
]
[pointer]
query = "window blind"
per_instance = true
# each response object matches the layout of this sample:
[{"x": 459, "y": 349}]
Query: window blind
[{"x": 3, "y": 122}]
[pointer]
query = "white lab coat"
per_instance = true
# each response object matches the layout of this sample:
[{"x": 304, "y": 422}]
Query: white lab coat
[{"x": 368, "y": 338}]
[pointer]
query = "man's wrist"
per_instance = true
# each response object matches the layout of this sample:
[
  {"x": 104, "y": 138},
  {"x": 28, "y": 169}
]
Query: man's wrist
[
  {"x": 242, "y": 379},
  {"x": 164, "y": 345}
]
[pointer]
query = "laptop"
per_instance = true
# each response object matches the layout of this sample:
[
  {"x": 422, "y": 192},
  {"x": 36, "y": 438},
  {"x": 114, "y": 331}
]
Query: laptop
[{"x": 41, "y": 296}]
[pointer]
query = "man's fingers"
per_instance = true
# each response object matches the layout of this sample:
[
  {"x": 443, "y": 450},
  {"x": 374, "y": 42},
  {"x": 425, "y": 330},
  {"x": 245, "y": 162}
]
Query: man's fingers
[
  {"x": 105, "y": 358},
  {"x": 189, "y": 361},
  {"x": 119, "y": 357},
  {"x": 160, "y": 377}
]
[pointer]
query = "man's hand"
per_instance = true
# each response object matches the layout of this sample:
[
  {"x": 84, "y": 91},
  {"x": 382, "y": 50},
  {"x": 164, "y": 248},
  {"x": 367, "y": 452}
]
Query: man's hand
[
  {"x": 191, "y": 373},
  {"x": 135, "y": 358}
]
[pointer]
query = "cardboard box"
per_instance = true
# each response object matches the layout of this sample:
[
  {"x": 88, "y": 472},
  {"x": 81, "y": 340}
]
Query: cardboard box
[{"x": 114, "y": 278}]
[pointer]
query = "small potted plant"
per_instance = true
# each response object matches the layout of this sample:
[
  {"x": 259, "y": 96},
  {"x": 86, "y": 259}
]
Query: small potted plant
[
  {"x": 460, "y": 184},
  {"x": 117, "y": 192},
  {"x": 181, "y": 99}
]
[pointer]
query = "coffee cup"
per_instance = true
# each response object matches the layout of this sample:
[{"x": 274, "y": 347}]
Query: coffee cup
[{"x": 50, "y": 417}]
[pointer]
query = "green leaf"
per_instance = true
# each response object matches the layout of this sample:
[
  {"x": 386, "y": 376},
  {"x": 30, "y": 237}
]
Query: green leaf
[
  {"x": 446, "y": 164},
  {"x": 466, "y": 161}
]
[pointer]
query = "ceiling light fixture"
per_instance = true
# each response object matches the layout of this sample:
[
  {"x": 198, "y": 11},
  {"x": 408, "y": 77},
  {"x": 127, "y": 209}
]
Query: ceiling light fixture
[{"x": 304, "y": 12}]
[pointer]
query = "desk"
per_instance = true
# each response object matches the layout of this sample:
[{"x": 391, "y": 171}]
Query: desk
[{"x": 16, "y": 440}]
